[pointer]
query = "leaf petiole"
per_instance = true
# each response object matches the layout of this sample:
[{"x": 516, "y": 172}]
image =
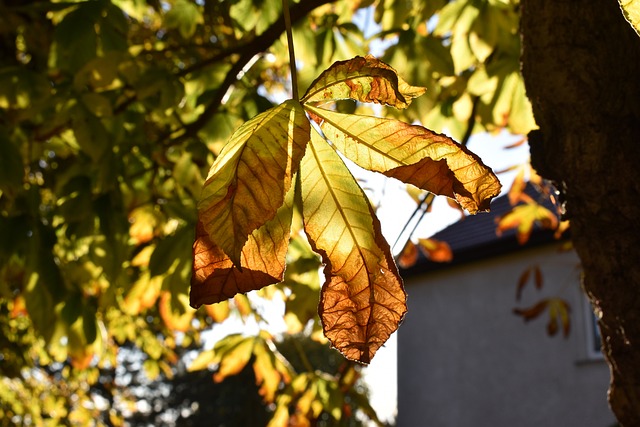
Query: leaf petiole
[{"x": 292, "y": 55}]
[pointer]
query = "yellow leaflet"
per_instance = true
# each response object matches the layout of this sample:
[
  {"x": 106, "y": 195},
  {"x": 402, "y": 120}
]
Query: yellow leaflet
[
  {"x": 248, "y": 181},
  {"x": 412, "y": 154},
  {"x": 363, "y": 300},
  {"x": 363, "y": 79}
]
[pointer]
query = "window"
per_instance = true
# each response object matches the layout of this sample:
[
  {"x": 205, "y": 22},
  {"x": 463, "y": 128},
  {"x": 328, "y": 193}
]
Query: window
[{"x": 592, "y": 333}]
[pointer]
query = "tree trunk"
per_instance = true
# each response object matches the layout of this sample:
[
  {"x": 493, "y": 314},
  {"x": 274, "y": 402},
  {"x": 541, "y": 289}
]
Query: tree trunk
[{"x": 581, "y": 65}]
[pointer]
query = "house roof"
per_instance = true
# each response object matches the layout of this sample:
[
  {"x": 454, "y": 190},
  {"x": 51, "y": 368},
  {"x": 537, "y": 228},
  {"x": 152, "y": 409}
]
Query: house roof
[{"x": 474, "y": 237}]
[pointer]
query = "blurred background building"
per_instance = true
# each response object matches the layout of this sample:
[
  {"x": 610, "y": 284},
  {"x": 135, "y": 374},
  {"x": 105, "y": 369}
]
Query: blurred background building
[{"x": 465, "y": 359}]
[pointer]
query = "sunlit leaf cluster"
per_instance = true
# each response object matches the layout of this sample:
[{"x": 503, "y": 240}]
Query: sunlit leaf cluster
[
  {"x": 246, "y": 206},
  {"x": 471, "y": 66},
  {"x": 111, "y": 113}
]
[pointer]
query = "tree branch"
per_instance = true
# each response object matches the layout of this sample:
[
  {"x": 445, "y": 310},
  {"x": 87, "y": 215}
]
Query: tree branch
[{"x": 247, "y": 52}]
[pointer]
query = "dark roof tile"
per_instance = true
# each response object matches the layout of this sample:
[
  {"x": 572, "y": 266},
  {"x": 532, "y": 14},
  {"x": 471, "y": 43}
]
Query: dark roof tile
[{"x": 474, "y": 237}]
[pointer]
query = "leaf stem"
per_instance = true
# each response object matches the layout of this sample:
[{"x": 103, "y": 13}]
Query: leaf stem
[{"x": 292, "y": 55}]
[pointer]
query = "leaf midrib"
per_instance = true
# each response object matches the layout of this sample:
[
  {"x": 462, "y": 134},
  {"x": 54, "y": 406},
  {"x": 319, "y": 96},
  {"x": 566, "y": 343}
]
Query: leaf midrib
[
  {"x": 372, "y": 299},
  {"x": 359, "y": 140}
]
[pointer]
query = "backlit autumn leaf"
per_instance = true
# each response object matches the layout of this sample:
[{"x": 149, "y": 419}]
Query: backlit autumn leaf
[
  {"x": 232, "y": 356},
  {"x": 524, "y": 279},
  {"x": 269, "y": 370},
  {"x": 308, "y": 396},
  {"x": 409, "y": 255},
  {"x": 245, "y": 219},
  {"x": 174, "y": 313},
  {"x": 436, "y": 250},
  {"x": 517, "y": 187},
  {"x": 363, "y": 300},
  {"x": 412, "y": 154},
  {"x": 562, "y": 227},
  {"x": 215, "y": 278},
  {"x": 532, "y": 312},
  {"x": 364, "y": 79},
  {"x": 558, "y": 310},
  {"x": 247, "y": 182},
  {"x": 631, "y": 11},
  {"x": 143, "y": 294},
  {"x": 219, "y": 312},
  {"x": 524, "y": 217}
]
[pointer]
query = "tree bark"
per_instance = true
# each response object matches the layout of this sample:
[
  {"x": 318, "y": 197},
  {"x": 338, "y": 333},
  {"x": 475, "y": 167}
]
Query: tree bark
[{"x": 581, "y": 66}]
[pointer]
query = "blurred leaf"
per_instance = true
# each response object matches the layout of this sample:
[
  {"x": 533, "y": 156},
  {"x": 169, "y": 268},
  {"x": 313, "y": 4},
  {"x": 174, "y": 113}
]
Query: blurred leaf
[
  {"x": 631, "y": 11},
  {"x": 90, "y": 133},
  {"x": 438, "y": 55},
  {"x": 511, "y": 107},
  {"x": 151, "y": 368},
  {"x": 483, "y": 36},
  {"x": 144, "y": 225},
  {"x": 143, "y": 294},
  {"x": 185, "y": 17},
  {"x": 232, "y": 355},
  {"x": 524, "y": 217},
  {"x": 99, "y": 105},
  {"x": 256, "y": 15},
  {"x": 75, "y": 36},
  {"x": 175, "y": 312},
  {"x": 524, "y": 279},
  {"x": 409, "y": 255},
  {"x": 169, "y": 250},
  {"x": 203, "y": 360},
  {"x": 243, "y": 305},
  {"x": 22, "y": 89},
  {"x": 269, "y": 370},
  {"x": 219, "y": 312},
  {"x": 517, "y": 187},
  {"x": 417, "y": 195},
  {"x": 562, "y": 228},
  {"x": 436, "y": 250},
  {"x": 303, "y": 280},
  {"x": 559, "y": 311},
  {"x": 532, "y": 312},
  {"x": 100, "y": 72}
]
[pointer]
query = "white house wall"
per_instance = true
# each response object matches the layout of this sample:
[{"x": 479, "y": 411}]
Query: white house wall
[{"x": 465, "y": 360}]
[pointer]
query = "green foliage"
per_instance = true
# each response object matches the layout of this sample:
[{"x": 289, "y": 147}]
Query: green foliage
[{"x": 111, "y": 112}]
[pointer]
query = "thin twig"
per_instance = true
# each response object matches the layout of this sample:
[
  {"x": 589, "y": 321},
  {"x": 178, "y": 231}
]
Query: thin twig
[
  {"x": 424, "y": 212},
  {"x": 422, "y": 201},
  {"x": 257, "y": 45}
]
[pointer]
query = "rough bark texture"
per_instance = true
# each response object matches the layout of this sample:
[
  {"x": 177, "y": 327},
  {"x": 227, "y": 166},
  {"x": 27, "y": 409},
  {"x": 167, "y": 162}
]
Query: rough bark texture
[{"x": 581, "y": 65}]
